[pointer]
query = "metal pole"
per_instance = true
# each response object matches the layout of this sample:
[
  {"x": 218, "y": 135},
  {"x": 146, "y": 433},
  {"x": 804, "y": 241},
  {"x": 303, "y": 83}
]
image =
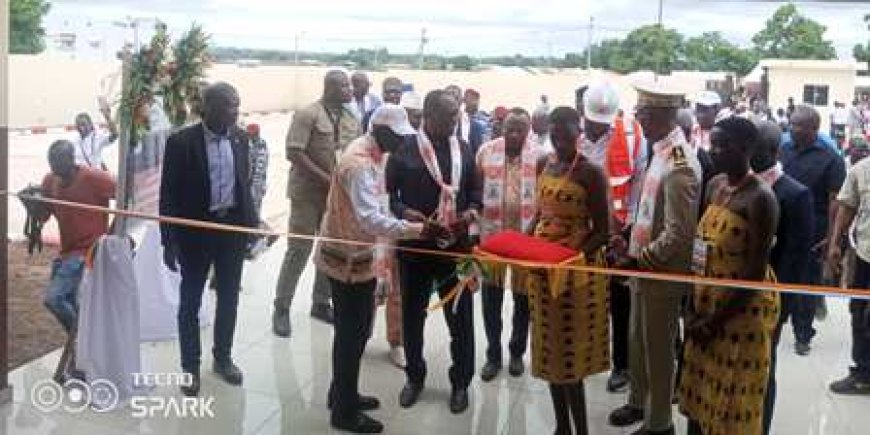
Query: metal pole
[
  {"x": 296, "y": 49},
  {"x": 660, "y": 12},
  {"x": 658, "y": 37},
  {"x": 589, "y": 44},
  {"x": 5, "y": 389}
]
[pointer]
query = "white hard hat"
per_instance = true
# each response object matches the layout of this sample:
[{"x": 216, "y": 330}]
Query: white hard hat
[{"x": 601, "y": 102}]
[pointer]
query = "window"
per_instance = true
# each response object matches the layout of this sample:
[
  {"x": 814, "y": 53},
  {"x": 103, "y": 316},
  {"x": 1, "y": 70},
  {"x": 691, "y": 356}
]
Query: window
[{"x": 816, "y": 95}]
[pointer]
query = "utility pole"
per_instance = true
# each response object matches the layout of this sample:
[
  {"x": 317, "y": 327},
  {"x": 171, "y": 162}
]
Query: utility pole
[
  {"x": 660, "y": 12},
  {"x": 421, "y": 52},
  {"x": 658, "y": 37},
  {"x": 589, "y": 44},
  {"x": 296, "y": 50}
]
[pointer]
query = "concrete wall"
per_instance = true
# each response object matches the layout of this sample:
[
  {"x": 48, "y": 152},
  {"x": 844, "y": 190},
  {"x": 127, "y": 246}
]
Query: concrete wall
[
  {"x": 49, "y": 91},
  {"x": 789, "y": 82}
]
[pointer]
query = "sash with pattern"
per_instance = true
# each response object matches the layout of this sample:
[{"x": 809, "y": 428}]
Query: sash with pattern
[
  {"x": 663, "y": 161},
  {"x": 446, "y": 211},
  {"x": 494, "y": 166}
]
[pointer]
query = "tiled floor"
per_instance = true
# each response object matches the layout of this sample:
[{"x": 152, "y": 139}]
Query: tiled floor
[{"x": 286, "y": 381}]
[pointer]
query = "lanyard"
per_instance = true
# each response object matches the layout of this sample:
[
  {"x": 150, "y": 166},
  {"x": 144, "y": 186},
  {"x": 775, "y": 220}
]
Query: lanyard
[{"x": 336, "y": 124}]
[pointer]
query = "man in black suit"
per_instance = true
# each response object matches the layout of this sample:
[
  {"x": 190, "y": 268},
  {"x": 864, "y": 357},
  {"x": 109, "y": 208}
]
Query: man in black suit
[
  {"x": 415, "y": 195},
  {"x": 790, "y": 257},
  {"x": 205, "y": 177}
]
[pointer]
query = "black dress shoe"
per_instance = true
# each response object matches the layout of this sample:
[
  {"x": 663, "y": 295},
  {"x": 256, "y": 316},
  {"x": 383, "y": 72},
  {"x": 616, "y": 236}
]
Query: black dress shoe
[
  {"x": 409, "y": 395},
  {"x": 229, "y": 372},
  {"x": 617, "y": 381},
  {"x": 323, "y": 312},
  {"x": 365, "y": 403},
  {"x": 802, "y": 348},
  {"x": 625, "y": 415},
  {"x": 458, "y": 400},
  {"x": 516, "y": 367},
  {"x": 358, "y": 423},
  {"x": 490, "y": 370},
  {"x": 191, "y": 390},
  {"x": 281, "y": 323}
]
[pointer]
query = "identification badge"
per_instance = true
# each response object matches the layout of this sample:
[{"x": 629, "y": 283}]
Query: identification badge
[{"x": 700, "y": 249}]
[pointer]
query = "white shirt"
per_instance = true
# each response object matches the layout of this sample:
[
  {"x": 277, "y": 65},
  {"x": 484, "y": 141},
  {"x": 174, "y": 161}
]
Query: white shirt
[
  {"x": 596, "y": 152},
  {"x": 89, "y": 149},
  {"x": 840, "y": 116},
  {"x": 369, "y": 103}
]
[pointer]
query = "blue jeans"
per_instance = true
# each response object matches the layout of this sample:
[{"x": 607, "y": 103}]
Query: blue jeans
[{"x": 62, "y": 292}]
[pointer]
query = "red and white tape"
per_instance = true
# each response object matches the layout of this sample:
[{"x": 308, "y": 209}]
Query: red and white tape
[{"x": 56, "y": 129}]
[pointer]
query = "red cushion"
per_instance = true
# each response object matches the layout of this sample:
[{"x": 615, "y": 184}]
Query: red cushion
[{"x": 519, "y": 246}]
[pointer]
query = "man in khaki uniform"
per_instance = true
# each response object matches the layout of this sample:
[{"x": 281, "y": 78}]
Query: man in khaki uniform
[
  {"x": 317, "y": 133},
  {"x": 661, "y": 241}
]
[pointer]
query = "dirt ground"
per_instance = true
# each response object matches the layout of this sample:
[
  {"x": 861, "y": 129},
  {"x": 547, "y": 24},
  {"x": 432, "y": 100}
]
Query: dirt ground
[{"x": 33, "y": 331}]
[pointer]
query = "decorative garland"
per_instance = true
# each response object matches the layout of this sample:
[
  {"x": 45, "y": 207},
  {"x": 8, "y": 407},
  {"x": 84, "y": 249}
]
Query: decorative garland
[{"x": 174, "y": 73}]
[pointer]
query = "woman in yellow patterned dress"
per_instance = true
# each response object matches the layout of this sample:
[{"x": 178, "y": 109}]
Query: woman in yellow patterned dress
[
  {"x": 727, "y": 351},
  {"x": 570, "y": 329}
]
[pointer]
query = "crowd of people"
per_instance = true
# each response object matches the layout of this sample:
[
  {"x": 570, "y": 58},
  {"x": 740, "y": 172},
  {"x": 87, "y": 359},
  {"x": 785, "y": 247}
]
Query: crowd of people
[{"x": 411, "y": 180}]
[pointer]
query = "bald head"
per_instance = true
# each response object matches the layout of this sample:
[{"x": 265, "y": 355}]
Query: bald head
[
  {"x": 765, "y": 150},
  {"x": 220, "y": 107},
  {"x": 361, "y": 84},
  {"x": 805, "y": 122},
  {"x": 806, "y": 113},
  {"x": 336, "y": 88},
  {"x": 440, "y": 114},
  {"x": 516, "y": 130}
]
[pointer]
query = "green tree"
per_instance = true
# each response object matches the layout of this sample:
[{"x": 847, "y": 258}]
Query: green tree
[
  {"x": 650, "y": 47},
  {"x": 26, "y": 35},
  {"x": 790, "y": 35},
  {"x": 712, "y": 52},
  {"x": 461, "y": 63},
  {"x": 862, "y": 51}
]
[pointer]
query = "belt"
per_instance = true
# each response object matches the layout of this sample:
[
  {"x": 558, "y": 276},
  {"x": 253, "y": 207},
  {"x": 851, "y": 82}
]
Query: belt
[{"x": 222, "y": 213}]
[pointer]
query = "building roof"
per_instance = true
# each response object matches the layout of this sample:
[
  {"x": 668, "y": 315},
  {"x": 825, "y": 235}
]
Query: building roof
[{"x": 809, "y": 64}]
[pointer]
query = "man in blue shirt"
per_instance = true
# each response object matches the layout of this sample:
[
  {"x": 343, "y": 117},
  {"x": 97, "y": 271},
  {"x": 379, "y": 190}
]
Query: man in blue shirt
[
  {"x": 808, "y": 160},
  {"x": 822, "y": 137}
]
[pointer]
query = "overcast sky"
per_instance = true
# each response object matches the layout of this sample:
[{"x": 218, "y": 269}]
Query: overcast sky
[{"x": 475, "y": 27}]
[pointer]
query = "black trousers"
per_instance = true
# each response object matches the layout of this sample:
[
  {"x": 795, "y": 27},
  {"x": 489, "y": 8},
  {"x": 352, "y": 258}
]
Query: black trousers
[
  {"x": 620, "y": 310},
  {"x": 493, "y": 298},
  {"x": 802, "y": 308},
  {"x": 860, "y": 310},
  {"x": 417, "y": 277},
  {"x": 198, "y": 252},
  {"x": 353, "y": 320}
]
